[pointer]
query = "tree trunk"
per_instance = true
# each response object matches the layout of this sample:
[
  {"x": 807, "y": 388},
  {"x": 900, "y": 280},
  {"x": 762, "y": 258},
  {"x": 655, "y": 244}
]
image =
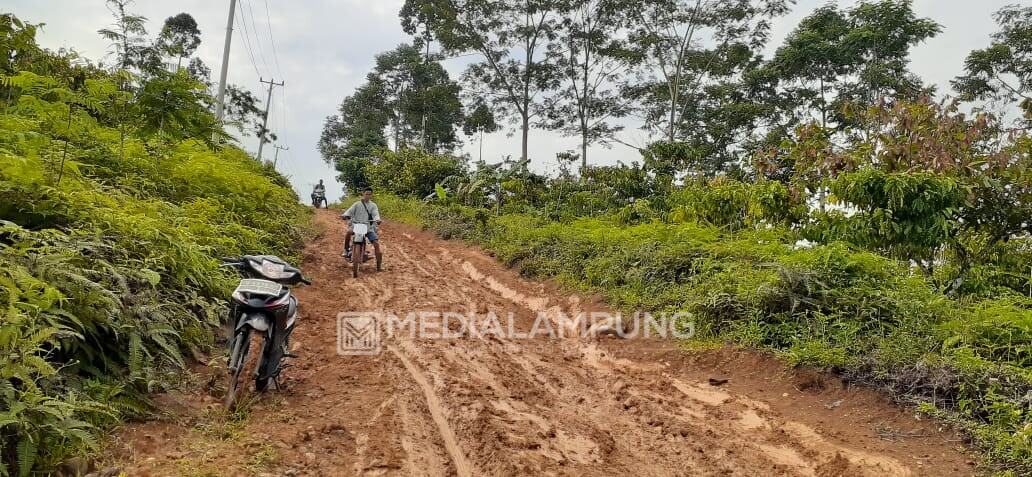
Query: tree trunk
[
  {"x": 584, "y": 154},
  {"x": 584, "y": 106},
  {"x": 673, "y": 118},
  {"x": 498, "y": 198},
  {"x": 959, "y": 281},
  {"x": 397, "y": 136},
  {"x": 824, "y": 107},
  {"x": 526, "y": 134}
]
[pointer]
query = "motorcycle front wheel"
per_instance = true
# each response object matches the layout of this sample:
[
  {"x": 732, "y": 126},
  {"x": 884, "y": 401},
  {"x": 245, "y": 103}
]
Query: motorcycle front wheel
[
  {"x": 239, "y": 350},
  {"x": 357, "y": 255},
  {"x": 262, "y": 383}
]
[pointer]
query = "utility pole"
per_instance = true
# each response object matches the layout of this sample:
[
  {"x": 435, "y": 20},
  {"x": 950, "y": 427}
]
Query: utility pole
[
  {"x": 275, "y": 158},
  {"x": 220, "y": 106},
  {"x": 265, "y": 116}
]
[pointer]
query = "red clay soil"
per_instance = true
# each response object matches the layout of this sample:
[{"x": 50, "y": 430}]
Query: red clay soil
[{"x": 478, "y": 406}]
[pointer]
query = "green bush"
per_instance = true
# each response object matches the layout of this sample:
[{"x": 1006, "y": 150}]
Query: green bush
[
  {"x": 735, "y": 205},
  {"x": 409, "y": 171},
  {"x": 109, "y": 239}
]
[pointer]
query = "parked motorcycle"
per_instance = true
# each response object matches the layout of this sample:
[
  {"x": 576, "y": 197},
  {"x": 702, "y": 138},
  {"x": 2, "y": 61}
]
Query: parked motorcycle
[{"x": 261, "y": 304}]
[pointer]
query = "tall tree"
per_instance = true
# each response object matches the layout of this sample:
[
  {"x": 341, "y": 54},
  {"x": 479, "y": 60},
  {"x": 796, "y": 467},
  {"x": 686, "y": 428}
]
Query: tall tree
[
  {"x": 511, "y": 37},
  {"x": 813, "y": 59},
  {"x": 683, "y": 46},
  {"x": 479, "y": 122},
  {"x": 692, "y": 59},
  {"x": 1002, "y": 72},
  {"x": 179, "y": 37},
  {"x": 858, "y": 56},
  {"x": 127, "y": 34},
  {"x": 421, "y": 99},
  {"x": 408, "y": 93},
  {"x": 588, "y": 54},
  {"x": 351, "y": 137}
]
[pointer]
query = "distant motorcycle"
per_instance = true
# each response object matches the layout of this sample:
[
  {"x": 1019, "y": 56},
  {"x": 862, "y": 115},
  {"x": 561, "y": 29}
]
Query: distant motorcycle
[
  {"x": 319, "y": 198},
  {"x": 261, "y": 304}
]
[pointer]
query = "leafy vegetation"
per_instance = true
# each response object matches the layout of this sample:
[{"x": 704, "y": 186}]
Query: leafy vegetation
[
  {"x": 819, "y": 203},
  {"x": 114, "y": 206}
]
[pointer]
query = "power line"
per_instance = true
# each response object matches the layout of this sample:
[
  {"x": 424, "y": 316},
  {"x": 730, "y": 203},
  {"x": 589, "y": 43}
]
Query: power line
[
  {"x": 275, "y": 55},
  {"x": 257, "y": 37},
  {"x": 247, "y": 42}
]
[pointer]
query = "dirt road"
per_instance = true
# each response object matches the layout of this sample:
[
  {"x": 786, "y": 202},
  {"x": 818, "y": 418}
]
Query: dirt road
[{"x": 475, "y": 406}]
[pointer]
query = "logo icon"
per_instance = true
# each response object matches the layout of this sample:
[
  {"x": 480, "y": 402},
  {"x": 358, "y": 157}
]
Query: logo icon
[{"x": 358, "y": 334}]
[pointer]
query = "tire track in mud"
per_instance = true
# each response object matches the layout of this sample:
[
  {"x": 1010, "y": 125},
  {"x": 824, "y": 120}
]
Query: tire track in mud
[
  {"x": 437, "y": 411},
  {"x": 486, "y": 406}
]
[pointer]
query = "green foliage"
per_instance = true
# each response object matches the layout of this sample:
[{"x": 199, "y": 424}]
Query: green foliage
[
  {"x": 835, "y": 58},
  {"x": 735, "y": 205},
  {"x": 17, "y": 42},
  {"x": 409, "y": 93},
  {"x": 109, "y": 238},
  {"x": 179, "y": 36},
  {"x": 480, "y": 120},
  {"x": 517, "y": 83},
  {"x": 691, "y": 65},
  {"x": 904, "y": 215},
  {"x": 1002, "y": 71},
  {"x": 410, "y": 172},
  {"x": 929, "y": 182}
]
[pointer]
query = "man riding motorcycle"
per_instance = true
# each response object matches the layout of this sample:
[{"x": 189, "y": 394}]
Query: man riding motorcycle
[
  {"x": 366, "y": 212},
  {"x": 318, "y": 194}
]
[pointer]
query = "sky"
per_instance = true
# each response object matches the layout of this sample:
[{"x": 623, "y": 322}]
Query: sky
[{"x": 323, "y": 49}]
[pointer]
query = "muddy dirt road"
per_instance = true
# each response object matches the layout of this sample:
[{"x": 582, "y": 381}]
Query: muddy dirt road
[{"x": 486, "y": 406}]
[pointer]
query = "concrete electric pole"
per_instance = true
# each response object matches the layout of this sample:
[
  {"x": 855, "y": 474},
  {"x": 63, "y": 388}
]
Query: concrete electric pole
[
  {"x": 275, "y": 158},
  {"x": 220, "y": 105},
  {"x": 265, "y": 117}
]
